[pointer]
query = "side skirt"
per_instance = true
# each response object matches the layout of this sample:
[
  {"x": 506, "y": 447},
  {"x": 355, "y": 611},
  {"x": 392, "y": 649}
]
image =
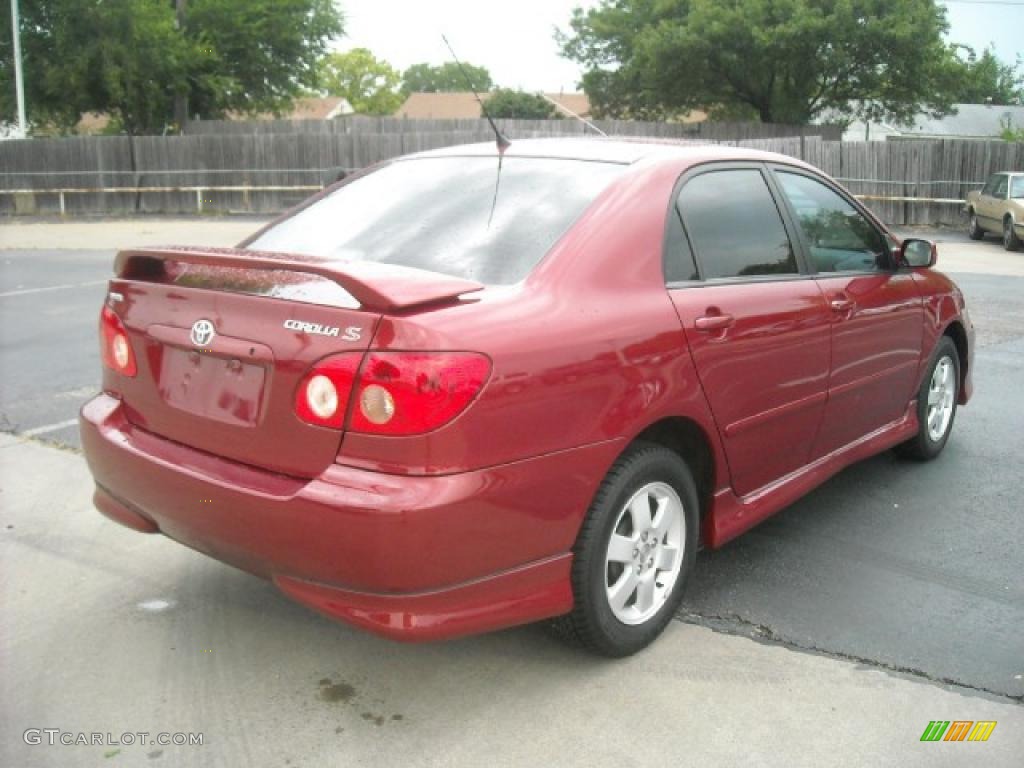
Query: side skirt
[{"x": 731, "y": 515}]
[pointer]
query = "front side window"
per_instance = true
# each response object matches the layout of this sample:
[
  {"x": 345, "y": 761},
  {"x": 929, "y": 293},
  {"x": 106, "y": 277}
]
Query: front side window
[
  {"x": 734, "y": 226},
  {"x": 839, "y": 237},
  {"x": 452, "y": 215},
  {"x": 990, "y": 185}
]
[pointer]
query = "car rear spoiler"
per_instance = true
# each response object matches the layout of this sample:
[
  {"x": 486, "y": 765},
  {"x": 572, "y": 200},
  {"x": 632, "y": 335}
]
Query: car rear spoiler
[{"x": 377, "y": 287}]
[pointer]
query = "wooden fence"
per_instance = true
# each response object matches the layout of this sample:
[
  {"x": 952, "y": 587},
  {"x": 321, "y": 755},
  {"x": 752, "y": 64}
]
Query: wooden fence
[
  {"x": 707, "y": 131},
  {"x": 293, "y": 164}
]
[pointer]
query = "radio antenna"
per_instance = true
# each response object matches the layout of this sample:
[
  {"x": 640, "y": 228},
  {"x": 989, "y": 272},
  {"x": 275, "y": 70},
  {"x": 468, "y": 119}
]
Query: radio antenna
[
  {"x": 562, "y": 108},
  {"x": 503, "y": 141}
]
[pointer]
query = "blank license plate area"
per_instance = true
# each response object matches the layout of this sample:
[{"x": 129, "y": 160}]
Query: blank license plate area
[{"x": 218, "y": 388}]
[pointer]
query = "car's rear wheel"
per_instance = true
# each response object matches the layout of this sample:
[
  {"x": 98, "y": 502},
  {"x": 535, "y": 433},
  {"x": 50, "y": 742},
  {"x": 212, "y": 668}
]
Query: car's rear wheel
[
  {"x": 974, "y": 230},
  {"x": 936, "y": 404},
  {"x": 634, "y": 553},
  {"x": 1010, "y": 240}
]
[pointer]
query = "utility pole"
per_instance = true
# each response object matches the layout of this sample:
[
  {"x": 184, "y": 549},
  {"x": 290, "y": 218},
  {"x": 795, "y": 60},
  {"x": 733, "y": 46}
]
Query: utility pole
[
  {"x": 19, "y": 83},
  {"x": 180, "y": 99}
]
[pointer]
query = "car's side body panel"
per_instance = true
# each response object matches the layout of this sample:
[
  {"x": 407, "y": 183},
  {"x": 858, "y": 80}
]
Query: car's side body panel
[
  {"x": 765, "y": 375},
  {"x": 876, "y": 353}
]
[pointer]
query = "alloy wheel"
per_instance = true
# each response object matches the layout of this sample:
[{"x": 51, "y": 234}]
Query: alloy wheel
[
  {"x": 645, "y": 553},
  {"x": 941, "y": 398}
]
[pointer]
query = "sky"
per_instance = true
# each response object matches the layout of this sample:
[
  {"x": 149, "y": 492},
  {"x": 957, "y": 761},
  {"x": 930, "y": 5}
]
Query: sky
[{"x": 514, "y": 38}]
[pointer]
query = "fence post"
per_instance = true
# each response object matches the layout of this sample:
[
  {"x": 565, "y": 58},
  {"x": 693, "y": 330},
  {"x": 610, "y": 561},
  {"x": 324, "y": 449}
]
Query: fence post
[
  {"x": 61, "y": 197},
  {"x": 199, "y": 200}
]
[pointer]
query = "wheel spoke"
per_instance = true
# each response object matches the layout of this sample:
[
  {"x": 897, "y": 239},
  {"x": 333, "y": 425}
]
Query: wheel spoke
[
  {"x": 645, "y": 592},
  {"x": 666, "y": 559},
  {"x": 620, "y": 548},
  {"x": 933, "y": 396},
  {"x": 640, "y": 510},
  {"x": 662, "y": 516},
  {"x": 622, "y": 589}
]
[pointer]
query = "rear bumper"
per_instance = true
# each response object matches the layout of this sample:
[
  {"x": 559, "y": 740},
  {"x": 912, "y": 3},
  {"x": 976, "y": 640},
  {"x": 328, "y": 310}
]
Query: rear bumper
[{"x": 408, "y": 557}]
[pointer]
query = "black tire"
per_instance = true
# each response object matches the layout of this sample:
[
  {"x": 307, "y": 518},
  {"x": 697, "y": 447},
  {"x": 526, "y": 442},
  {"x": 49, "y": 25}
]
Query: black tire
[
  {"x": 1010, "y": 240},
  {"x": 974, "y": 230},
  {"x": 592, "y": 623},
  {"x": 924, "y": 446}
]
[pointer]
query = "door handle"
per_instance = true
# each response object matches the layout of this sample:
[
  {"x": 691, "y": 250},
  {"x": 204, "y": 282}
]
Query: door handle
[
  {"x": 713, "y": 322},
  {"x": 841, "y": 304}
]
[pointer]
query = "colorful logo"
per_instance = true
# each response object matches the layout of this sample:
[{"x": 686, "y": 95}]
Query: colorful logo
[{"x": 958, "y": 730}]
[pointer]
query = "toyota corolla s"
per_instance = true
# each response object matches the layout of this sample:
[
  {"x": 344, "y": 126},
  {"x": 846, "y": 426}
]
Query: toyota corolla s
[{"x": 485, "y": 386}]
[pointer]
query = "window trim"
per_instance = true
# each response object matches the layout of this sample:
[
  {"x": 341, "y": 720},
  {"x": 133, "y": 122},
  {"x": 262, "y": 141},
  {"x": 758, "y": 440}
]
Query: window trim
[
  {"x": 712, "y": 166},
  {"x": 883, "y": 233}
]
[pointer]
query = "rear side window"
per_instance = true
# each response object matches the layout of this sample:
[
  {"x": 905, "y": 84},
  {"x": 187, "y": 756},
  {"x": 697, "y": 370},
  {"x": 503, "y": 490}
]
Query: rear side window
[
  {"x": 679, "y": 263},
  {"x": 452, "y": 215},
  {"x": 1017, "y": 187},
  {"x": 734, "y": 226},
  {"x": 839, "y": 238}
]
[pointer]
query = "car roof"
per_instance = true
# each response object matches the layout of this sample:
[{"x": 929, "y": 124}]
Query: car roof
[{"x": 625, "y": 151}]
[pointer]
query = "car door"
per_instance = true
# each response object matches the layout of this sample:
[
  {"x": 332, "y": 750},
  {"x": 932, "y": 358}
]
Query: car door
[
  {"x": 988, "y": 202},
  {"x": 876, "y": 311},
  {"x": 757, "y": 326}
]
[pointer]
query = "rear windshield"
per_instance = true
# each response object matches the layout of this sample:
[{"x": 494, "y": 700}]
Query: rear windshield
[{"x": 451, "y": 215}]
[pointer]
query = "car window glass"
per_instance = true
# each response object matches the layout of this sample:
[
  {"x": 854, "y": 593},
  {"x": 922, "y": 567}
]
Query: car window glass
[
  {"x": 1017, "y": 187},
  {"x": 679, "y": 263},
  {"x": 451, "y": 215},
  {"x": 990, "y": 185},
  {"x": 734, "y": 226},
  {"x": 1000, "y": 190},
  {"x": 839, "y": 237}
]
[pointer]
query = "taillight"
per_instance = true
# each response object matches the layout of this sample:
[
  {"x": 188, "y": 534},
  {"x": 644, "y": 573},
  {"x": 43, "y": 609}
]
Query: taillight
[
  {"x": 395, "y": 393},
  {"x": 408, "y": 393},
  {"x": 323, "y": 393},
  {"x": 115, "y": 348}
]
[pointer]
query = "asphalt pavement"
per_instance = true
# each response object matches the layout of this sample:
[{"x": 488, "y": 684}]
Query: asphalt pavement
[{"x": 889, "y": 597}]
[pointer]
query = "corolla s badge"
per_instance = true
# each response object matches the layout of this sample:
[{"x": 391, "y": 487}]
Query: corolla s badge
[
  {"x": 351, "y": 333},
  {"x": 202, "y": 333}
]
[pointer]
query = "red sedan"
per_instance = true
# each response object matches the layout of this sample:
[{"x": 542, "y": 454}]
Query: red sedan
[{"x": 472, "y": 388}]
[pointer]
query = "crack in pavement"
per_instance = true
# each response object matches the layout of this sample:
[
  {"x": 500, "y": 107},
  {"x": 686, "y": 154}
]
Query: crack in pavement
[{"x": 737, "y": 626}]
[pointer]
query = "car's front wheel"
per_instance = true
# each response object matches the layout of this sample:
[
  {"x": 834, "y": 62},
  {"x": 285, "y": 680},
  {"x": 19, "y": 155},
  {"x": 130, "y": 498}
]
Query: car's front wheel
[
  {"x": 634, "y": 553},
  {"x": 974, "y": 230},
  {"x": 1010, "y": 240},
  {"x": 936, "y": 404}
]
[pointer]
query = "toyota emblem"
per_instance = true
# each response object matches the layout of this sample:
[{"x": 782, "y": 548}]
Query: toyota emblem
[{"x": 203, "y": 333}]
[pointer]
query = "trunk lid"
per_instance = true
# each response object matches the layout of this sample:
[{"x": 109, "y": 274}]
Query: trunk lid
[{"x": 223, "y": 337}]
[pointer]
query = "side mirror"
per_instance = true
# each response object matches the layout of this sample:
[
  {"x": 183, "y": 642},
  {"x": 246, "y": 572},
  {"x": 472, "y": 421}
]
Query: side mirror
[{"x": 915, "y": 252}]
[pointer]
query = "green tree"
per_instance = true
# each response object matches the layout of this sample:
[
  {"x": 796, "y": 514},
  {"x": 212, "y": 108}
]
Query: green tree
[
  {"x": 522, "y": 105},
  {"x": 427, "y": 78},
  {"x": 783, "y": 61},
  {"x": 987, "y": 80},
  {"x": 369, "y": 84},
  {"x": 130, "y": 58},
  {"x": 1010, "y": 132}
]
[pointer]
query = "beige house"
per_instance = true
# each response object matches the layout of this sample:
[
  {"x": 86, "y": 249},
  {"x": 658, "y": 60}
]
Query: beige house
[{"x": 463, "y": 105}]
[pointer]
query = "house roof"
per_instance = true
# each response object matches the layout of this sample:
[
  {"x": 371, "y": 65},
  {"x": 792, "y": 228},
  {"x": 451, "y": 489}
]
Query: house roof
[
  {"x": 970, "y": 120},
  {"x": 306, "y": 108},
  {"x": 457, "y": 105}
]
